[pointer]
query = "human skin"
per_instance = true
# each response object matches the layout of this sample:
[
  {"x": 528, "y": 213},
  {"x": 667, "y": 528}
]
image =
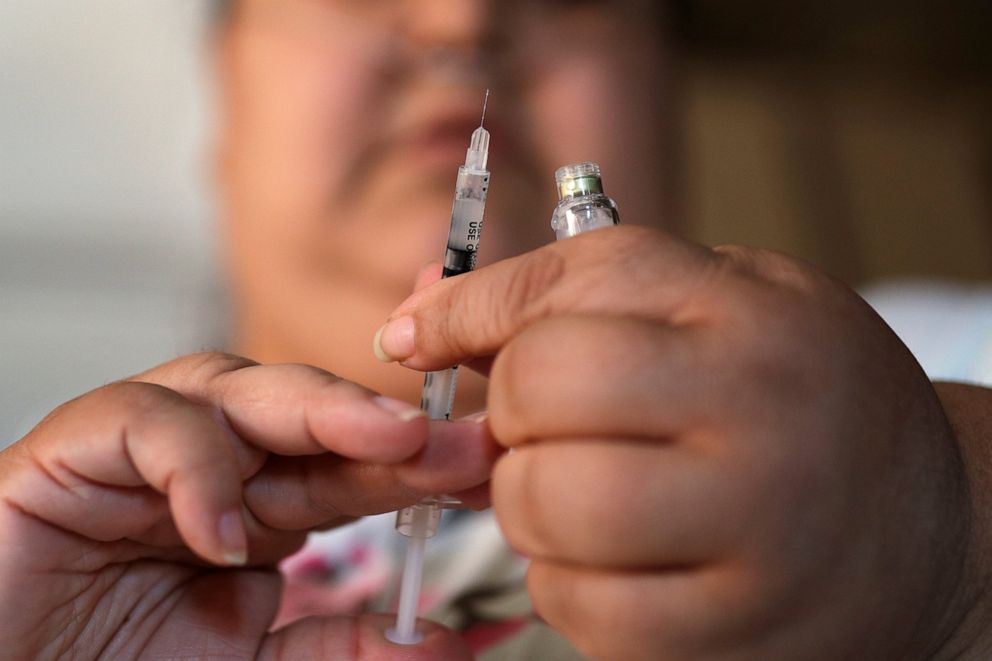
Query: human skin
[
  {"x": 127, "y": 511},
  {"x": 793, "y": 488},
  {"x": 342, "y": 133},
  {"x": 338, "y": 143},
  {"x": 718, "y": 454}
]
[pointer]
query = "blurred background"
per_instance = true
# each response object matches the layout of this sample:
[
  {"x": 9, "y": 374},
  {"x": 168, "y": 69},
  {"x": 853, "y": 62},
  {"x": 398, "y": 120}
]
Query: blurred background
[
  {"x": 105, "y": 237},
  {"x": 856, "y": 135}
]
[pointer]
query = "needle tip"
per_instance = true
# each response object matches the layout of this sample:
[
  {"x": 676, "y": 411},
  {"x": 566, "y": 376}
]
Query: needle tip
[{"x": 485, "y": 104}]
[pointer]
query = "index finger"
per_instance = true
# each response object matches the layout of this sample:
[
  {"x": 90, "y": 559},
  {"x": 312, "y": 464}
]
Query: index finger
[
  {"x": 296, "y": 409},
  {"x": 624, "y": 270}
]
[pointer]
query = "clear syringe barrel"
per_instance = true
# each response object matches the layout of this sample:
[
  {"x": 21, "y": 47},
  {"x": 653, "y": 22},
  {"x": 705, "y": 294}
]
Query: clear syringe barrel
[
  {"x": 467, "y": 211},
  {"x": 438, "y": 394},
  {"x": 471, "y": 189}
]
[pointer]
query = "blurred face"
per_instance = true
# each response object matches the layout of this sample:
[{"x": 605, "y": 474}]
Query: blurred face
[{"x": 345, "y": 122}]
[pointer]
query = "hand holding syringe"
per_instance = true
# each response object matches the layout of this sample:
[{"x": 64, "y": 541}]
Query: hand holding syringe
[
  {"x": 583, "y": 207},
  {"x": 664, "y": 401},
  {"x": 419, "y": 522}
]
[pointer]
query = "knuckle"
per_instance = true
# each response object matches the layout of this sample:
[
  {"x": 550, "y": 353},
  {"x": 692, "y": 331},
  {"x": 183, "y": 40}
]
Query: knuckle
[
  {"x": 636, "y": 270},
  {"x": 506, "y": 496},
  {"x": 517, "y": 380},
  {"x": 525, "y": 292},
  {"x": 141, "y": 408},
  {"x": 603, "y": 615},
  {"x": 137, "y": 398},
  {"x": 519, "y": 503},
  {"x": 740, "y": 257},
  {"x": 127, "y": 403},
  {"x": 206, "y": 366},
  {"x": 319, "y": 385},
  {"x": 456, "y": 331},
  {"x": 192, "y": 371},
  {"x": 784, "y": 272},
  {"x": 597, "y": 489},
  {"x": 304, "y": 374},
  {"x": 535, "y": 381},
  {"x": 621, "y": 622},
  {"x": 633, "y": 238},
  {"x": 507, "y": 383},
  {"x": 556, "y": 598},
  {"x": 318, "y": 500},
  {"x": 626, "y": 245}
]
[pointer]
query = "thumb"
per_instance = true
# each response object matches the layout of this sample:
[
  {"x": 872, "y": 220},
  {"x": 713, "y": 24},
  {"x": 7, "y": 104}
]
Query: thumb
[
  {"x": 361, "y": 639},
  {"x": 617, "y": 271}
]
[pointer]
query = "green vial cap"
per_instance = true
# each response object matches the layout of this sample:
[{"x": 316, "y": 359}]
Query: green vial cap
[{"x": 578, "y": 179}]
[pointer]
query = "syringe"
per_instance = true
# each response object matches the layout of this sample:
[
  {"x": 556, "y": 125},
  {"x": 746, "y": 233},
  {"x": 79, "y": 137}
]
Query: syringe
[{"x": 419, "y": 522}]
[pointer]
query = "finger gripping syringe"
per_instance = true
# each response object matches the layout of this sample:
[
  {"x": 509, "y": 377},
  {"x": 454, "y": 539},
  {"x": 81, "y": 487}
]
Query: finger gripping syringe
[
  {"x": 471, "y": 189},
  {"x": 419, "y": 522}
]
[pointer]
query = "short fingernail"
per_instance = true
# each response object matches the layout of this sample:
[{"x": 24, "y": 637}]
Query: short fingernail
[
  {"x": 394, "y": 341},
  {"x": 400, "y": 409},
  {"x": 479, "y": 418},
  {"x": 377, "y": 348},
  {"x": 233, "y": 538}
]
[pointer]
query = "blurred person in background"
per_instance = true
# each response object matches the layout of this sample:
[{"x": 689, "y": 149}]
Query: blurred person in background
[{"x": 718, "y": 453}]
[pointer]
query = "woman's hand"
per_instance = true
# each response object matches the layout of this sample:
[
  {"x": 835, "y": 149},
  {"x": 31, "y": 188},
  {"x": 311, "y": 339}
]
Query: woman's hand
[
  {"x": 717, "y": 454},
  {"x": 116, "y": 511}
]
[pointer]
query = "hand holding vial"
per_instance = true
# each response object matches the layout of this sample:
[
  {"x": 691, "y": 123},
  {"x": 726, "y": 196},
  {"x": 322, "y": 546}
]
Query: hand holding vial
[{"x": 705, "y": 440}]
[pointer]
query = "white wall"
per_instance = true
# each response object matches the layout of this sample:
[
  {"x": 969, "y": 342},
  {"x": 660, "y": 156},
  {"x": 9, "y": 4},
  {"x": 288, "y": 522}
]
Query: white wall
[{"x": 105, "y": 243}]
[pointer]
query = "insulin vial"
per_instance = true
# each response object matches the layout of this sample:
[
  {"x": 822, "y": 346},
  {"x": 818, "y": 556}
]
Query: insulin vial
[{"x": 582, "y": 205}]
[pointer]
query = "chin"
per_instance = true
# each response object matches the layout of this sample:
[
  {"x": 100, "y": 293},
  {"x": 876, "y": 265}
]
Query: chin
[
  {"x": 416, "y": 235},
  {"x": 407, "y": 225}
]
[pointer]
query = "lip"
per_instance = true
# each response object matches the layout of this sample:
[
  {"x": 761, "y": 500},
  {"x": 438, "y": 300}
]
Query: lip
[
  {"x": 442, "y": 141},
  {"x": 442, "y": 137}
]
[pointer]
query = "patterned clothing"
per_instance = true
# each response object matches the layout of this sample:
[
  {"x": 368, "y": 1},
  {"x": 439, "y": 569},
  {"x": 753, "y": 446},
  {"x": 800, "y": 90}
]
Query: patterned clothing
[{"x": 473, "y": 583}]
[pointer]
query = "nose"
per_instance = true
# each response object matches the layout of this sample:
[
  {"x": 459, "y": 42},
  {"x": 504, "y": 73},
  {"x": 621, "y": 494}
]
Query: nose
[{"x": 451, "y": 24}]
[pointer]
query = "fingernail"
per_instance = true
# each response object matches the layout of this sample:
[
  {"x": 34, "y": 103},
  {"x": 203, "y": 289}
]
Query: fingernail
[
  {"x": 478, "y": 418},
  {"x": 233, "y": 538},
  {"x": 405, "y": 412},
  {"x": 394, "y": 341},
  {"x": 377, "y": 348}
]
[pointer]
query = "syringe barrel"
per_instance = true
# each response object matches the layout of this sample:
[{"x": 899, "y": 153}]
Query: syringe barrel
[
  {"x": 471, "y": 190},
  {"x": 438, "y": 394}
]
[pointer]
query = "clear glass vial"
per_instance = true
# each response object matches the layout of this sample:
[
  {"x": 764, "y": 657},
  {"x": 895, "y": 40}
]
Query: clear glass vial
[{"x": 582, "y": 205}]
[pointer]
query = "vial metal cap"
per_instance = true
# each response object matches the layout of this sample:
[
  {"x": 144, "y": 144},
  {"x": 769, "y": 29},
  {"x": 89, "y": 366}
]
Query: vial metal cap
[{"x": 578, "y": 179}]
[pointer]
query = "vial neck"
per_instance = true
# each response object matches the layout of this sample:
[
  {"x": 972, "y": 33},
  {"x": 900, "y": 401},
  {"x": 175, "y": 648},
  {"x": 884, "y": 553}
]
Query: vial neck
[{"x": 578, "y": 186}]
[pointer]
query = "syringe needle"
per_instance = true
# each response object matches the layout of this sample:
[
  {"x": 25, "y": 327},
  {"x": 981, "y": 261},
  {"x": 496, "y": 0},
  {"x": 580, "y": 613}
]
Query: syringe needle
[{"x": 485, "y": 104}]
